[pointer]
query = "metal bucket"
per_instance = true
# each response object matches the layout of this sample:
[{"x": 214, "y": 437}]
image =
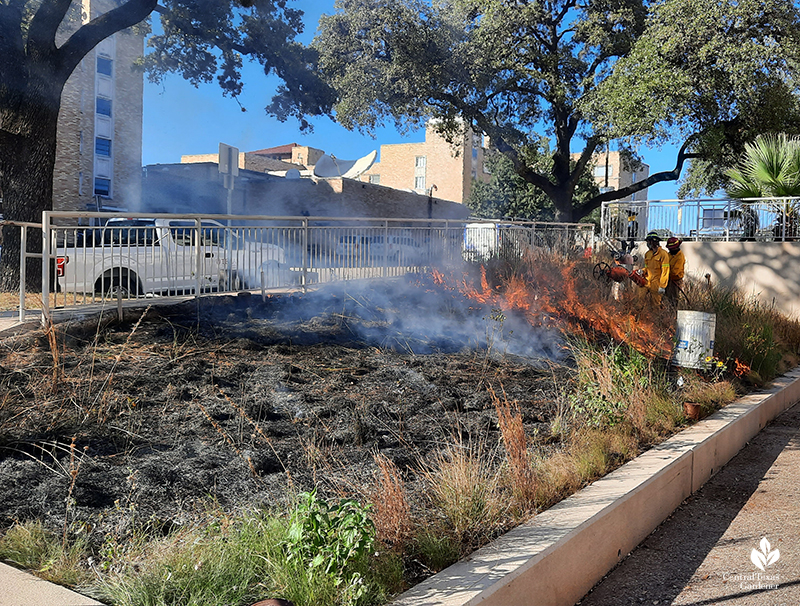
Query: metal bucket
[{"x": 694, "y": 338}]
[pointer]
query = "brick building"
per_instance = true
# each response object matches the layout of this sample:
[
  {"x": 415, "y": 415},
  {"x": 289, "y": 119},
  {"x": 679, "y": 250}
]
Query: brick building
[
  {"x": 197, "y": 187},
  {"x": 611, "y": 171},
  {"x": 99, "y": 148},
  {"x": 432, "y": 166},
  {"x": 273, "y": 160}
]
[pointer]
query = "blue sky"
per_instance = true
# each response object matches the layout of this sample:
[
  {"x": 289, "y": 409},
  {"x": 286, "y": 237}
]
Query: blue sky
[{"x": 181, "y": 119}]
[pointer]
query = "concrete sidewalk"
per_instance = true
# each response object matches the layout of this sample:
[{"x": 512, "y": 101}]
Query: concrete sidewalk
[
  {"x": 701, "y": 555},
  {"x": 10, "y": 324},
  {"x": 19, "y": 588}
]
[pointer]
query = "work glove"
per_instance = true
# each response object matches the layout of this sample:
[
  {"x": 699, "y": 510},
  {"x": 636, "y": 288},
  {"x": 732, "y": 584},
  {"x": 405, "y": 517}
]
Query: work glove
[{"x": 661, "y": 291}]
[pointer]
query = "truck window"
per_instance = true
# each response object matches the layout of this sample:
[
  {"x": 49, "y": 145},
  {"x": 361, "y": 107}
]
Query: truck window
[
  {"x": 184, "y": 233},
  {"x": 129, "y": 235}
]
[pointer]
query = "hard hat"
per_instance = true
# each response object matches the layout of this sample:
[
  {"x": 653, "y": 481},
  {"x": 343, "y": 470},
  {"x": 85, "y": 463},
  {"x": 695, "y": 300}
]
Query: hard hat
[
  {"x": 673, "y": 243},
  {"x": 653, "y": 236}
]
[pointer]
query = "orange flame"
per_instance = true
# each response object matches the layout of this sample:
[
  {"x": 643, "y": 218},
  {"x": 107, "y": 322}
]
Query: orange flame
[{"x": 546, "y": 291}]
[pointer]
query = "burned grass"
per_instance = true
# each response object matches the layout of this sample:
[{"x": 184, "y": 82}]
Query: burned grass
[{"x": 246, "y": 402}]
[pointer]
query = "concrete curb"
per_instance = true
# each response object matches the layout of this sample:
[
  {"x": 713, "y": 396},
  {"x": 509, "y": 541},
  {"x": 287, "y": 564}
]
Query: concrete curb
[
  {"x": 557, "y": 557},
  {"x": 19, "y": 588}
]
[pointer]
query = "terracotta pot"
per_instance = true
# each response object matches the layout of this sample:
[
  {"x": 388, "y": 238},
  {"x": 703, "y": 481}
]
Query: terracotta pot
[{"x": 692, "y": 410}]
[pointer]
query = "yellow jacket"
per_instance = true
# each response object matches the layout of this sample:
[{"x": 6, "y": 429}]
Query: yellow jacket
[
  {"x": 676, "y": 264},
  {"x": 657, "y": 266}
]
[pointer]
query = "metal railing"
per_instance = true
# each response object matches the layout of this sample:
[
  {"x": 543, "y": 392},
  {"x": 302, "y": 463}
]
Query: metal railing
[
  {"x": 751, "y": 219},
  {"x": 146, "y": 255},
  {"x": 24, "y": 255}
]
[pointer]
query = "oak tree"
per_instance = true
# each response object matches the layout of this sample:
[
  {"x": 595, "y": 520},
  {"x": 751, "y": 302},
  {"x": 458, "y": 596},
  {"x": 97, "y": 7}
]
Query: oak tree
[
  {"x": 43, "y": 41},
  {"x": 576, "y": 71}
]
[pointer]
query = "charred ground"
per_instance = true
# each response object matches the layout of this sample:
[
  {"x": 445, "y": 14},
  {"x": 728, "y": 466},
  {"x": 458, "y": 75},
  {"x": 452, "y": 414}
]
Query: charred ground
[{"x": 241, "y": 401}]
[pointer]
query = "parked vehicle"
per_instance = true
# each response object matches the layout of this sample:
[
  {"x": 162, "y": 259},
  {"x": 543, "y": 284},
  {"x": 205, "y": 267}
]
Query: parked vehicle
[
  {"x": 485, "y": 240},
  {"x": 377, "y": 248},
  {"x": 352, "y": 246},
  {"x": 402, "y": 249},
  {"x": 132, "y": 257}
]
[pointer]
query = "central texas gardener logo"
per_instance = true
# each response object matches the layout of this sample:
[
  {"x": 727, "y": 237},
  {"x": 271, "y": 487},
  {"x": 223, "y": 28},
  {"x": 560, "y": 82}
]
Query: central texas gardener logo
[{"x": 765, "y": 557}]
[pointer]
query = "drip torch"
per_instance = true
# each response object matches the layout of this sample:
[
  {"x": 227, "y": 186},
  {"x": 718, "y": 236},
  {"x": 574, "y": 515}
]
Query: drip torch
[
  {"x": 618, "y": 273},
  {"x": 622, "y": 267}
]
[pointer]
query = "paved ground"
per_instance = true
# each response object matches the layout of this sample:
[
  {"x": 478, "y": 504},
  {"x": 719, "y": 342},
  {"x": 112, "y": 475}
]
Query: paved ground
[{"x": 701, "y": 555}]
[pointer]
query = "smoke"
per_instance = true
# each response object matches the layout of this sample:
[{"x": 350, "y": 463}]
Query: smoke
[{"x": 408, "y": 315}]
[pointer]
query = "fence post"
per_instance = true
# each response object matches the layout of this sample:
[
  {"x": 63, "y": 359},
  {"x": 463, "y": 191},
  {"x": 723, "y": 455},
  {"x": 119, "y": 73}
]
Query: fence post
[
  {"x": 199, "y": 260},
  {"x": 305, "y": 255},
  {"x": 46, "y": 253},
  {"x": 385, "y": 268},
  {"x": 23, "y": 245}
]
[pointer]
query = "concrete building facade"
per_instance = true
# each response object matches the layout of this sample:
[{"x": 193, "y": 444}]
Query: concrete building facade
[
  {"x": 99, "y": 148},
  {"x": 612, "y": 171},
  {"x": 433, "y": 166},
  {"x": 198, "y": 188}
]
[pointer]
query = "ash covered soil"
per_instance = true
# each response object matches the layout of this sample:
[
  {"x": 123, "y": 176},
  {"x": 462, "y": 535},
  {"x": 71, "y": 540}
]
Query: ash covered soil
[{"x": 240, "y": 401}]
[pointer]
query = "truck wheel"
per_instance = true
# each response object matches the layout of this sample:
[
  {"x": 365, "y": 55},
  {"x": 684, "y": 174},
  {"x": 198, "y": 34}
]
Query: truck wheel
[{"x": 123, "y": 286}]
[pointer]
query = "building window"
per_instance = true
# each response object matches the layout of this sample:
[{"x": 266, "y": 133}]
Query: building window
[
  {"x": 419, "y": 183},
  {"x": 419, "y": 162},
  {"x": 104, "y": 106},
  {"x": 375, "y": 179},
  {"x": 600, "y": 171},
  {"x": 102, "y": 147},
  {"x": 104, "y": 66},
  {"x": 102, "y": 187}
]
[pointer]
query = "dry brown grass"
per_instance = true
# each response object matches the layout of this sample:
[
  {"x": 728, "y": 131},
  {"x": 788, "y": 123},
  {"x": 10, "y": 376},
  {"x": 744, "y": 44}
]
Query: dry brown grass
[
  {"x": 392, "y": 516},
  {"x": 522, "y": 478},
  {"x": 463, "y": 483}
]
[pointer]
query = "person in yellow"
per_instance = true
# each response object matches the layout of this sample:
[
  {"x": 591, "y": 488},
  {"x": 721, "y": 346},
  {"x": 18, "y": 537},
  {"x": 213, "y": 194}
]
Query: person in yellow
[
  {"x": 676, "y": 268},
  {"x": 656, "y": 264}
]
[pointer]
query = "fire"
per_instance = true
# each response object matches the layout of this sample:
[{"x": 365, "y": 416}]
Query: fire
[
  {"x": 547, "y": 290},
  {"x": 740, "y": 368}
]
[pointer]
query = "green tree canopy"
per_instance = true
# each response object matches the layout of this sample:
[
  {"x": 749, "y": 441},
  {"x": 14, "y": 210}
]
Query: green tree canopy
[
  {"x": 582, "y": 72},
  {"x": 507, "y": 195},
  {"x": 515, "y": 71},
  {"x": 42, "y": 42},
  {"x": 713, "y": 75}
]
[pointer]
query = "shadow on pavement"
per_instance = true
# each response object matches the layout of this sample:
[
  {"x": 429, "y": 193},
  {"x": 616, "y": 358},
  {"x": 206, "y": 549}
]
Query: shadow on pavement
[{"x": 658, "y": 570}]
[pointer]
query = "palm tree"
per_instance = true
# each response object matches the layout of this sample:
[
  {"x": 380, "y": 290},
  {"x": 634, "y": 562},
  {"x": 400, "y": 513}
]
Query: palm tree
[{"x": 770, "y": 168}]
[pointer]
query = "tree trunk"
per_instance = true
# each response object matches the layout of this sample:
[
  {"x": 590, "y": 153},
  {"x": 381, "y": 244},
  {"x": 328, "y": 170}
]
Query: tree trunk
[{"x": 27, "y": 159}]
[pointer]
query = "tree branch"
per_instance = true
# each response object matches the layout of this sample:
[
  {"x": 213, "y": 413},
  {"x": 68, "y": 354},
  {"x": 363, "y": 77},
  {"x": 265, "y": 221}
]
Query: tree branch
[
  {"x": 90, "y": 35},
  {"x": 669, "y": 175},
  {"x": 43, "y": 27}
]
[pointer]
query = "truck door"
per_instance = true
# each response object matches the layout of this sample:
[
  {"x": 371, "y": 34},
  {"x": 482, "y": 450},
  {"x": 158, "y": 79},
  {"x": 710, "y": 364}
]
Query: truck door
[{"x": 184, "y": 257}]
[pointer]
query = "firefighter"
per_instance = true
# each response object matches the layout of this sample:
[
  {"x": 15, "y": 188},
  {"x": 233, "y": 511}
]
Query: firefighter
[
  {"x": 676, "y": 266},
  {"x": 656, "y": 264}
]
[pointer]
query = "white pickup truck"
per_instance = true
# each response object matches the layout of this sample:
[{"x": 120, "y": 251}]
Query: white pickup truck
[{"x": 133, "y": 257}]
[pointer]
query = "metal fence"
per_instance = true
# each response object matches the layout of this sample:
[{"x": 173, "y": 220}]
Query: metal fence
[
  {"x": 145, "y": 256},
  {"x": 756, "y": 219},
  {"x": 27, "y": 231}
]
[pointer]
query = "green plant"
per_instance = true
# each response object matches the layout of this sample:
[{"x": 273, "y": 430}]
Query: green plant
[
  {"x": 609, "y": 379},
  {"x": 329, "y": 538},
  {"x": 31, "y": 546},
  {"x": 436, "y": 550}
]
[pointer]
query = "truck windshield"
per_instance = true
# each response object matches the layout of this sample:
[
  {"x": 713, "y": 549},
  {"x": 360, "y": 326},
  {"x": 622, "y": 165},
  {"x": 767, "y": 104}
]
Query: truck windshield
[{"x": 184, "y": 233}]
